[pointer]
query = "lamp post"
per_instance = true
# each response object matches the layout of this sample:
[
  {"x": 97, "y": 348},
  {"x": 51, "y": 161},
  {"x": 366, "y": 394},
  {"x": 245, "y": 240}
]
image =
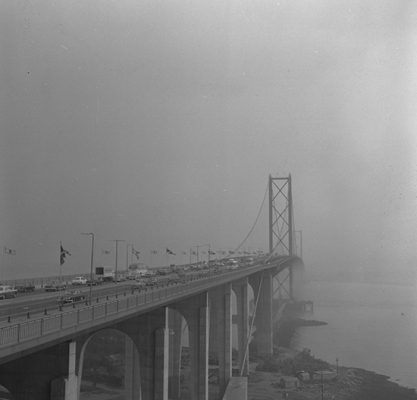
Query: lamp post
[
  {"x": 117, "y": 247},
  {"x": 127, "y": 255},
  {"x": 203, "y": 245},
  {"x": 92, "y": 262}
]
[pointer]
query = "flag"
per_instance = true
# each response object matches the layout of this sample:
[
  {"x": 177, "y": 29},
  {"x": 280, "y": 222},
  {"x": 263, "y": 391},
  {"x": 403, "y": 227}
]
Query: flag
[
  {"x": 63, "y": 253},
  {"x": 168, "y": 251},
  {"x": 106, "y": 251},
  {"x": 8, "y": 251},
  {"x": 136, "y": 253},
  {"x": 154, "y": 252}
]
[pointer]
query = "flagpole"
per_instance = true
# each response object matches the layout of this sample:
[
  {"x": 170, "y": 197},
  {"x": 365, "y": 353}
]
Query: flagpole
[
  {"x": 60, "y": 267},
  {"x": 91, "y": 263}
]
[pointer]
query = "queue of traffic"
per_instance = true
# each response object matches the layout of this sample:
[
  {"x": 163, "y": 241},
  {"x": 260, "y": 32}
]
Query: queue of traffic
[{"x": 145, "y": 277}]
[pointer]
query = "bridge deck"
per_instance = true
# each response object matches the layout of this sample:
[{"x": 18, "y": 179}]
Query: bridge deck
[{"x": 41, "y": 331}]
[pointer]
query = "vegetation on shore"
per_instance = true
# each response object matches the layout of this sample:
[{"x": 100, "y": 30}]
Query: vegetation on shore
[{"x": 290, "y": 365}]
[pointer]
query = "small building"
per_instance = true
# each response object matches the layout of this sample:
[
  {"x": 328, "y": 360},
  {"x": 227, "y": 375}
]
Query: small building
[
  {"x": 324, "y": 375},
  {"x": 289, "y": 382}
]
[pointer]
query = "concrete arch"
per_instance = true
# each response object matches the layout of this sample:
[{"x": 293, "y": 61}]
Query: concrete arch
[{"x": 132, "y": 381}]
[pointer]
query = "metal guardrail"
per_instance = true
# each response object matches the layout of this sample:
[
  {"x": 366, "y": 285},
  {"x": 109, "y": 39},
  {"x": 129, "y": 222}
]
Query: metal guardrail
[{"x": 16, "y": 333}]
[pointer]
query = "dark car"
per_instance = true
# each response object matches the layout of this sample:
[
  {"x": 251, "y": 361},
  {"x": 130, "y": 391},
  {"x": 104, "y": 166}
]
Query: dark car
[
  {"x": 54, "y": 287},
  {"x": 71, "y": 297},
  {"x": 151, "y": 282},
  {"x": 94, "y": 282}
]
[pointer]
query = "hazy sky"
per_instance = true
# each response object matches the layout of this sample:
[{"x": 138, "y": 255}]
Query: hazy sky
[{"x": 158, "y": 122}]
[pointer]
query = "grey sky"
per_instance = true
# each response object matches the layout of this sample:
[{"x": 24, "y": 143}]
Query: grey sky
[{"x": 158, "y": 122}]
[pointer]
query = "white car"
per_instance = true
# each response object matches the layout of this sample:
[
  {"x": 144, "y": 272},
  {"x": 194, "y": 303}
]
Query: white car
[
  {"x": 79, "y": 280},
  {"x": 7, "y": 292}
]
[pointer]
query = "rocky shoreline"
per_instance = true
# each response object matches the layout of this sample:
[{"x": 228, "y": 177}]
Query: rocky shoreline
[{"x": 295, "y": 375}]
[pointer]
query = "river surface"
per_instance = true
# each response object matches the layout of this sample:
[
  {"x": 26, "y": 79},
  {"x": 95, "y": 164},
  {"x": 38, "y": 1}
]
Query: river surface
[{"x": 370, "y": 326}]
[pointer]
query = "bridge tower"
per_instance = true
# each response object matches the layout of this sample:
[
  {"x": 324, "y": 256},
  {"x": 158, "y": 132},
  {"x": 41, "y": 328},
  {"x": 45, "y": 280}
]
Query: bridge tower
[{"x": 281, "y": 228}]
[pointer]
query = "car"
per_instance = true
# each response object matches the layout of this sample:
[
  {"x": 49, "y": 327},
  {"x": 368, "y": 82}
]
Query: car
[
  {"x": 79, "y": 280},
  {"x": 151, "y": 282},
  {"x": 71, "y": 297},
  {"x": 25, "y": 288},
  {"x": 7, "y": 292},
  {"x": 93, "y": 282},
  {"x": 54, "y": 287}
]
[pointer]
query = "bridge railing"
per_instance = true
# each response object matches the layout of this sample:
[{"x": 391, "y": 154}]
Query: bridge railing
[{"x": 19, "y": 332}]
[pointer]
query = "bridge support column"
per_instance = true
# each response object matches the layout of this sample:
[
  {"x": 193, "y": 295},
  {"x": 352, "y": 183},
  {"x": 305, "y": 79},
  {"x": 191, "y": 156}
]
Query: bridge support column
[
  {"x": 161, "y": 363},
  {"x": 132, "y": 376},
  {"x": 196, "y": 312},
  {"x": 71, "y": 382},
  {"x": 222, "y": 330},
  {"x": 263, "y": 291},
  {"x": 175, "y": 347},
  {"x": 242, "y": 305}
]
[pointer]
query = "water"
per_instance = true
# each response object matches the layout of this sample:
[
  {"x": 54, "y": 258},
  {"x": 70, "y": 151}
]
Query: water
[{"x": 370, "y": 326}]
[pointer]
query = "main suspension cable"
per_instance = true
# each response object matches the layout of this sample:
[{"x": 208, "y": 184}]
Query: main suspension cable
[{"x": 254, "y": 224}]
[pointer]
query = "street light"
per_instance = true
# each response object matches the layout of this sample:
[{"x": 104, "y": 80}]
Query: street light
[
  {"x": 209, "y": 250},
  {"x": 127, "y": 255},
  {"x": 117, "y": 246},
  {"x": 92, "y": 261}
]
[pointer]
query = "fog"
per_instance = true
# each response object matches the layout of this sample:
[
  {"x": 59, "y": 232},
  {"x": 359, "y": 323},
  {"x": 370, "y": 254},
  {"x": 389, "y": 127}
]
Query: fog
[{"x": 159, "y": 122}]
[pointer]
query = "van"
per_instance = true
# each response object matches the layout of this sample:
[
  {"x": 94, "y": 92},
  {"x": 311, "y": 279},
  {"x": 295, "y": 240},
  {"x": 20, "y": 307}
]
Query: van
[{"x": 7, "y": 292}]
